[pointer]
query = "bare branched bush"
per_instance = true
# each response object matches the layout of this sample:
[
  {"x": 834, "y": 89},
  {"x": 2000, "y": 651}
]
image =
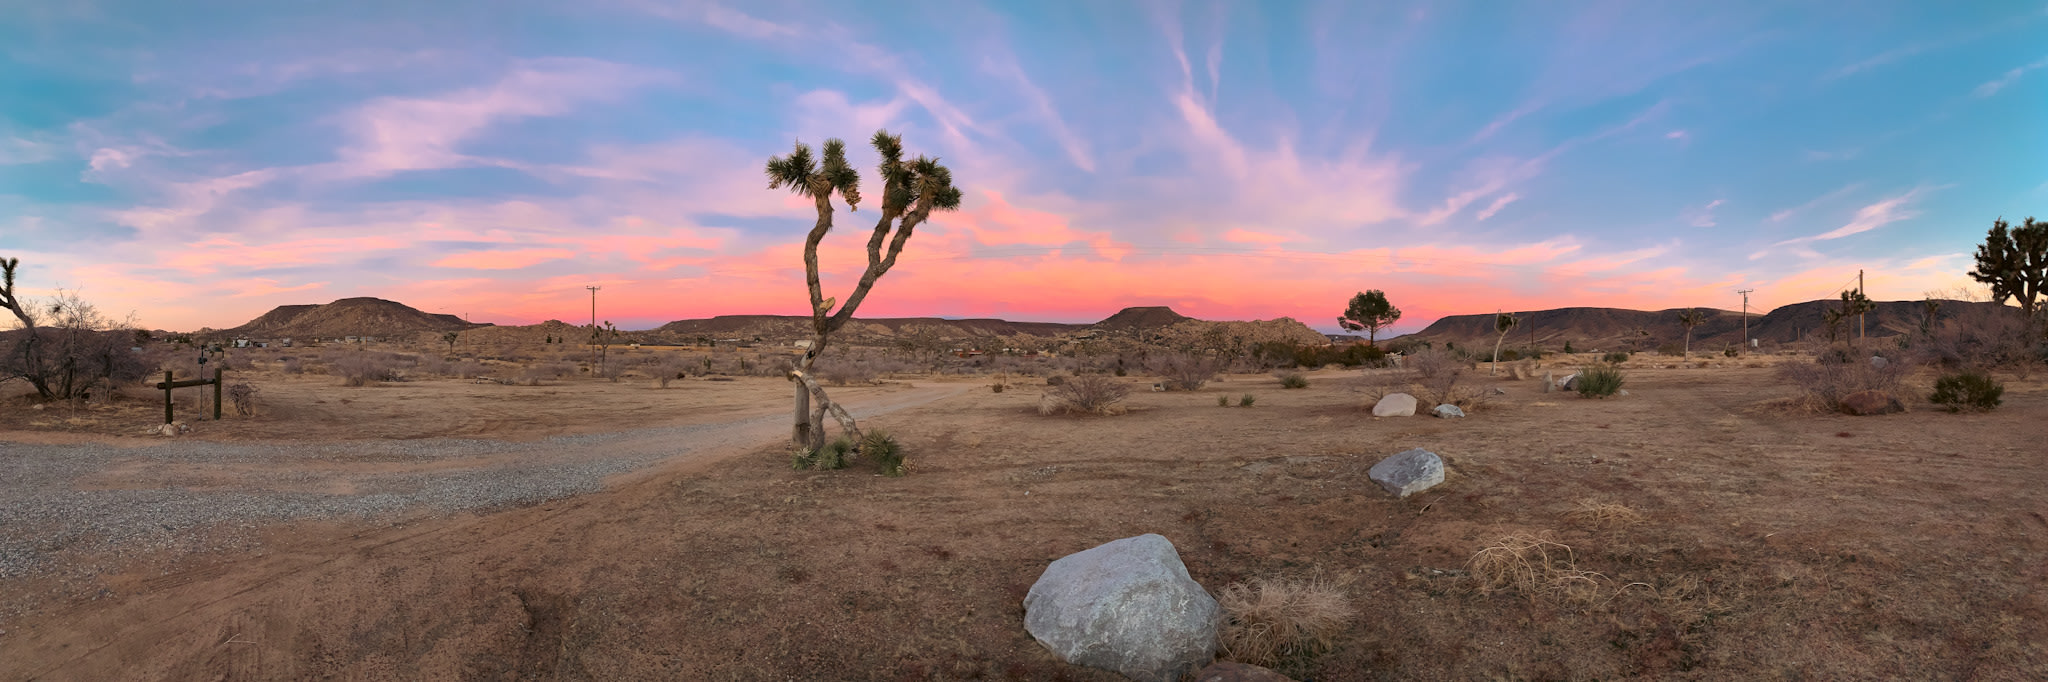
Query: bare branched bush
[
  {"x": 243, "y": 397},
  {"x": 362, "y": 368},
  {"x": 842, "y": 371},
  {"x": 1267, "y": 621},
  {"x": 293, "y": 365},
  {"x": 1083, "y": 395},
  {"x": 1185, "y": 371},
  {"x": 1598, "y": 514},
  {"x": 533, "y": 375},
  {"x": 1838, "y": 372},
  {"x": 65, "y": 346}
]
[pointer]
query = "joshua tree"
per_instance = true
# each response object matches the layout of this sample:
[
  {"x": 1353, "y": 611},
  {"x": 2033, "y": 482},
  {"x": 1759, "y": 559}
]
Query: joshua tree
[
  {"x": 1930, "y": 307},
  {"x": 1853, "y": 303},
  {"x": 450, "y": 338},
  {"x": 912, "y": 190},
  {"x": 1369, "y": 311},
  {"x": 2015, "y": 264},
  {"x": 1502, "y": 324},
  {"x": 1689, "y": 318}
]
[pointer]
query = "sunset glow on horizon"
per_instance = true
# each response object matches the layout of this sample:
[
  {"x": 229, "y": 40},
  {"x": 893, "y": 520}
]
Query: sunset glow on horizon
[{"x": 201, "y": 164}]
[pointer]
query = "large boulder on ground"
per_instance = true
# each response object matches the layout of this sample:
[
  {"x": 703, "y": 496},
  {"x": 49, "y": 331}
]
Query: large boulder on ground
[
  {"x": 1570, "y": 382},
  {"x": 1409, "y": 472},
  {"x": 1395, "y": 405},
  {"x": 1127, "y": 606},
  {"x": 1448, "y": 411},
  {"x": 1231, "y": 671},
  {"x": 1865, "y": 403}
]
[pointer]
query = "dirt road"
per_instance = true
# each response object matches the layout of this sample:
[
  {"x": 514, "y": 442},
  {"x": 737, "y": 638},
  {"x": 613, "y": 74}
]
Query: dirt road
[{"x": 244, "y": 616}]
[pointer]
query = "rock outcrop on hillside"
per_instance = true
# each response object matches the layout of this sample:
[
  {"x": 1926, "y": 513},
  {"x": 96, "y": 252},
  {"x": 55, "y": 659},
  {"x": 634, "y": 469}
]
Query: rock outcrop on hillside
[{"x": 347, "y": 317}]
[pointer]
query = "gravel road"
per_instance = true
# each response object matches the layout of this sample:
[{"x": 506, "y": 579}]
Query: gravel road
[{"x": 110, "y": 500}]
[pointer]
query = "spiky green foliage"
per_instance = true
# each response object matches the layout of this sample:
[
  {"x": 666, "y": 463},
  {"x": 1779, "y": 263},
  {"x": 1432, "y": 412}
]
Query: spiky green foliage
[
  {"x": 1369, "y": 312},
  {"x": 1600, "y": 381},
  {"x": 1247, "y": 400},
  {"x": 1293, "y": 380},
  {"x": 881, "y": 447},
  {"x": 2014, "y": 261},
  {"x": 1853, "y": 303}
]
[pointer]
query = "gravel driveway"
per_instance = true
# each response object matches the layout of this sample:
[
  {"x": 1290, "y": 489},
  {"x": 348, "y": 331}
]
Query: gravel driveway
[{"x": 119, "y": 500}]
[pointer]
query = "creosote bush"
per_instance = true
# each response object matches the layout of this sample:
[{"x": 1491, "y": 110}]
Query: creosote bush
[
  {"x": 1615, "y": 358},
  {"x": 243, "y": 397},
  {"x": 1838, "y": 372},
  {"x": 1969, "y": 390},
  {"x": 1247, "y": 400},
  {"x": 1293, "y": 380},
  {"x": 1085, "y": 394},
  {"x": 1223, "y": 401},
  {"x": 1600, "y": 381},
  {"x": 1268, "y": 621}
]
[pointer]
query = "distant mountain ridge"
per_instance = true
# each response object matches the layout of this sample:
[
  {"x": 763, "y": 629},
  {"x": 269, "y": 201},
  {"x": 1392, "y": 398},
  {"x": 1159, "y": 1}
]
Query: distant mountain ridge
[
  {"x": 362, "y": 316},
  {"x": 1589, "y": 328}
]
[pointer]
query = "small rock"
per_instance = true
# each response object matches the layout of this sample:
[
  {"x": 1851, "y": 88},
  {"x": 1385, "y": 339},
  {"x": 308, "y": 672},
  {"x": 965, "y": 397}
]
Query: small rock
[
  {"x": 1395, "y": 405},
  {"x": 1622, "y": 392},
  {"x": 1126, "y": 606},
  {"x": 1409, "y": 472},
  {"x": 1878, "y": 362},
  {"x": 1570, "y": 382},
  {"x": 1228, "y": 671},
  {"x": 1499, "y": 391},
  {"x": 1449, "y": 411},
  {"x": 1866, "y": 403}
]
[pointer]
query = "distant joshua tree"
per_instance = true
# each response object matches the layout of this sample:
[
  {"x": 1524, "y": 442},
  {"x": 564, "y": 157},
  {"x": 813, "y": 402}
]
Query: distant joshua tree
[
  {"x": 1502, "y": 324},
  {"x": 1853, "y": 303},
  {"x": 912, "y": 190},
  {"x": 1689, "y": 318},
  {"x": 1369, "y": 311}
]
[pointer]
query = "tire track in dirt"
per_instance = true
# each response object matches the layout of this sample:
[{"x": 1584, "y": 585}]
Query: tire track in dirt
[{"x": 76, "y": 644}]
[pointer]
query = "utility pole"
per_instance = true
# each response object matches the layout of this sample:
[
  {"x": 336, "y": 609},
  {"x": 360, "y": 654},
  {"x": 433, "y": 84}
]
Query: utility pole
[
  {"x": 1865, "y": 294},
  {"x": 1745, "y": 319},
  {"x": 593, "y": 305}
]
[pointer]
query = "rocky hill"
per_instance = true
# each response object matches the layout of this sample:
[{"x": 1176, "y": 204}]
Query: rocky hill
[
  {"x": 1589, "y": 328},
  {"x": 343, "y": 318}
]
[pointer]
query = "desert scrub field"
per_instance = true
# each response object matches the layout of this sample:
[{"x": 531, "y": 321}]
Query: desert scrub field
[{"x": 1702, "y": 527}]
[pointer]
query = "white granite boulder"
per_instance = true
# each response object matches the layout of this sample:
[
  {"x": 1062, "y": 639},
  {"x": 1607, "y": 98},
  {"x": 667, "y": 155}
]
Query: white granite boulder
[
  {"x": 1127, "y": 606},
  {"x": 1395, "y": 405},
  {"x": 1409, "y": 472},
  {"x": 1448, "y": 411}
]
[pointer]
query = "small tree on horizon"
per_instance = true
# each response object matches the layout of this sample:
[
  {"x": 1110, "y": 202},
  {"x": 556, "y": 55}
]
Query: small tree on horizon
[
  {"x": 1369, "y": 312},
  {"x": 1689, "y": 318},
  {"x": 1853, "y": 303},
  {"x": 1502, "y": 324},
  {"x": 912, "y": 190},
  {"x": 2014, "y": 261}
]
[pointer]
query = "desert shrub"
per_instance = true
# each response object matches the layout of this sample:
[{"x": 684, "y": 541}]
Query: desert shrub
[
  {"x": 293, "y": 365},
  {"x": 1437, "y": 373},
  {"x": 1055, "y": 379},
  {"x": 1293, "y": 380},
  {"x": 362, "y": 368},
  {"x": 840, "y": 371},
  {"x": 1974, "y": 390},
  {"x": 1510, "y": 355},
  {"x": 833, "y": 456},
  {"x": 881, "y": 447},
  {"x": 1085, "y": 394},
  {"x": 1184, "y": 371},
  {"x": 1223, "y": 401},
  {"x": 243, "y": 397},
  {"x": 533, "y": 375},
  {"x": 1269, "y": 621},
  {"x": 1824, "y": 382},
  {"x": 1600, "y": 381},
  {"x": 1247, "y": 400},
  {"x": 1287, "y": 354},
  {"x": 1729, "y": 351},
  {"x": 72, "y": 349},
  {"x": 1615, "y": 358},
  {"x": 1535, "y": 567}
]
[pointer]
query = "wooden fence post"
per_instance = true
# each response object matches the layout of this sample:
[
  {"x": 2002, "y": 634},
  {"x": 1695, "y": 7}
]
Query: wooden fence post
[
  {"x": 167, "y": 396},
  {"x": 216, "y": 393}
]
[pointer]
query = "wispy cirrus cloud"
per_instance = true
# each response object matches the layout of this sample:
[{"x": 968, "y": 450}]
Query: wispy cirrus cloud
[
  {"x": 1992, "y": 87},
  {"x": 1870, "y": 217}
]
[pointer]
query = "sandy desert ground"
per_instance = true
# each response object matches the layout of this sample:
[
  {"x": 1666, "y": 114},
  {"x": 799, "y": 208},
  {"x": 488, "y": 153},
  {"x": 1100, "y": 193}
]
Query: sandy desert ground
[{"x": 628, "y": 532}]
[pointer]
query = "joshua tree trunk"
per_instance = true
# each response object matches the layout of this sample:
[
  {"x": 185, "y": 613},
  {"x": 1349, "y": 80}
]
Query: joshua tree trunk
[{"x": 914, "y": 189}]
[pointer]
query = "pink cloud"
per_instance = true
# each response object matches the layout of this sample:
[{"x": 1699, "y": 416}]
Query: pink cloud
[{"x": 502, "y": 260}]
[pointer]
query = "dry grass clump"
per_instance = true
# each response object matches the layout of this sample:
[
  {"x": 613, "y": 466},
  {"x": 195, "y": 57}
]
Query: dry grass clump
[
  {"x": 1603, "y": 514},
  {"x": 1185, "y": 371},
  {"x": 1538, "y": 567},
  {"x": 1268, "y": 620},
  {"x": 1084, "y": 394}
]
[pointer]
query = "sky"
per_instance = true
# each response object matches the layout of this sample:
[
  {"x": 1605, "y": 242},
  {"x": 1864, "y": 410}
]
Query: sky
[{"x": 198, "y": 163}]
